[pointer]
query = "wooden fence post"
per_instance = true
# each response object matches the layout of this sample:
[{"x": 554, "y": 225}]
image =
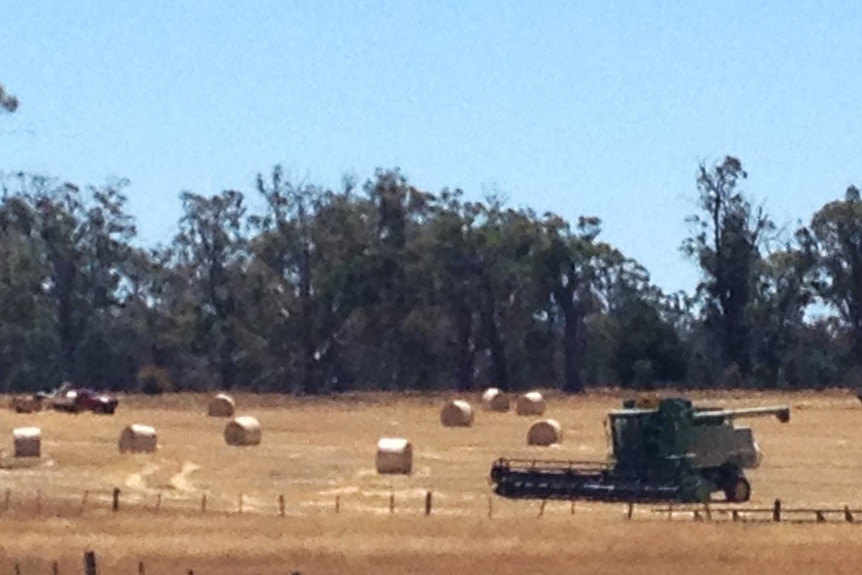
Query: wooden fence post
[
  {"x": 630, "y": 510},
  {"x": 572, "y": 511},
  {"x": 90, "y": 567},
  {"x": 116, "y": 503},
  {"x": 542, "y": 507},
  {"x": 204, "y": 503},
  {"x": 337, "y": 503},
  {"x": 239, "y": 506},
  {"x": 848, "y": 517},
  {"x": 820, "y": 518},
  {"x": 735, "y": 515},
  {"x": 428, "y": 503},
  {"x": 776, "y": 510},
  {"x": 281, "y": 505}
]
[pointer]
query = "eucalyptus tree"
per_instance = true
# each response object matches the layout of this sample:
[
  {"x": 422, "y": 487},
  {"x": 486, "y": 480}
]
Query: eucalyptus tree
[
  {"x": 569, "y": 267},
  {"x": 726, "y": 244},
  {"x": 835, "y": 238},
  {"x": 81, "y": 244},
  {"x": 209, "y": 254}
]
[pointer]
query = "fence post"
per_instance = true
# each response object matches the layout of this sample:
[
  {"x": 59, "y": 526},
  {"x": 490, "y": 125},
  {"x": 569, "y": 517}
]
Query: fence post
[
  {"x": 8, "y": 498},
  {"x": 337, "y": 503},
  {"x": 116, "y": 504},
  {"x": 630, "y": 510},
  {"x": 848, "y": 517},
  {"x": 428, "y": 503},
  {"x": 542, "y": 507},
  {"x": 572, "y": 511},
  {"x": 240, "y": 503},
  {"x": 204, "y": 503},
  {"x": 281, "y": 505},
  {"x": 735, "y": 515},
  {"x": 90, "y": 567},
  {"x": 84, "y": 501},
  {"x": 776, "y": 510},
  {"x": 159, "y": 501},
  {"x": 392, "y": 502},
  {"x": 820, "y": 517}
]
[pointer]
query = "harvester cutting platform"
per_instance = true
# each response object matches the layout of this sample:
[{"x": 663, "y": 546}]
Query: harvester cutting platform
[{"x": 666, "y": 450}]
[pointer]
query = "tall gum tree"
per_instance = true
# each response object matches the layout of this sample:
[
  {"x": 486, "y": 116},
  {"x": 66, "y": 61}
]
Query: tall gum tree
[
  {"x": 726, "y": 244},
  {"x": 835, "y": 236}
]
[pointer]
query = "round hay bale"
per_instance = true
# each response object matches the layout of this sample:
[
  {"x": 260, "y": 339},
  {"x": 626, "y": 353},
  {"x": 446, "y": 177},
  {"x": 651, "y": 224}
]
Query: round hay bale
[
  {"x": 545, "y": 432},
  {"x": 394, "y": 455},
  {"x": 25, "y": 404},
  {"x": 242, "y": 430},
  {"x": 457, "y": 413},
  {"x": 222, "y": 405},
  {"x": 531, "y": 403},
  {"x": 28, "y": 441},
  {"x": 495, "y": 400},
  {"x": 138, "y": 438}
]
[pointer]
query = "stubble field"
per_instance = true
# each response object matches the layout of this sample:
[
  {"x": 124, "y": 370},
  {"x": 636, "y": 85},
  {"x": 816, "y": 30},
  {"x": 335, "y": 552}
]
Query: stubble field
[{"x": 203, "y": 505}]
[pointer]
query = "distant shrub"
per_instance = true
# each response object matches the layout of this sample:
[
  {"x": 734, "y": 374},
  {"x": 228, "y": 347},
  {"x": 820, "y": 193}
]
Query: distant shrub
[{"x": 154, "y": 380}]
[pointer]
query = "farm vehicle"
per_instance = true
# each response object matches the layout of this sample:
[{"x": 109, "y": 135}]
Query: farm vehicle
[
  {"x": 661, "y": 451},
  {"x": 66, "y": 398}
]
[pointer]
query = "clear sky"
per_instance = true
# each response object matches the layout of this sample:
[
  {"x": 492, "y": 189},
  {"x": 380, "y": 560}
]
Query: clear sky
[{"x": 581, "y": 108}]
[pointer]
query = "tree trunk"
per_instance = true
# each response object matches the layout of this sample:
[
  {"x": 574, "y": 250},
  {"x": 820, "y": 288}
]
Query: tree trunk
[{"x": 572, "y": 382}]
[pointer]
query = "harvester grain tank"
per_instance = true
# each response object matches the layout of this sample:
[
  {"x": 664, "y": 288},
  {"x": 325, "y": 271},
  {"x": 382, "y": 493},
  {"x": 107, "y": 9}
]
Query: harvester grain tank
[{"x": 667, "y": 450}]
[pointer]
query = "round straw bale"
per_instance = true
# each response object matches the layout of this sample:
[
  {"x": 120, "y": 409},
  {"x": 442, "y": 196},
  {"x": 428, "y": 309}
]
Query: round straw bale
[
  {"x": 28, "y": 441},
  {"x": 531, "y": 403},
  {"x": 545, "y": 432},
  {"x": 495, "y": 400},
  {"x": 457, "y": 413},
  {"x": 394, "y": 455},
  {"x": 242, "y": 430},
  {"x": 138, "y": 438},
  {"x": 222, "y": 405}
]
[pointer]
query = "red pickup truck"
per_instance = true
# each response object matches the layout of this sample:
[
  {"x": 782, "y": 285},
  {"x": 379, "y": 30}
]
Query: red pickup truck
[{"x": 81, "y": 399}]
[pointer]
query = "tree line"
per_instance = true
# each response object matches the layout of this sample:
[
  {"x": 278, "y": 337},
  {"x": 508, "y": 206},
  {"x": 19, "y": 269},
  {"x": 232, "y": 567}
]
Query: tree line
[{"x": 389, "y": 287}]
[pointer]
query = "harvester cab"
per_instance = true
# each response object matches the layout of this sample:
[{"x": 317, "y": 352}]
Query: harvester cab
[{"x": 660, "y": 450}]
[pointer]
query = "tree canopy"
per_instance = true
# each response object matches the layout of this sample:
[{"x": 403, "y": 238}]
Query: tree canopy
[{"x": 383, "y": 285}]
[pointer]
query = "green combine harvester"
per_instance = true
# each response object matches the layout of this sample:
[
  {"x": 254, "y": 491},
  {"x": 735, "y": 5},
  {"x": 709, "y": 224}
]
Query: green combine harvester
[{"x": 661, "y": 451}]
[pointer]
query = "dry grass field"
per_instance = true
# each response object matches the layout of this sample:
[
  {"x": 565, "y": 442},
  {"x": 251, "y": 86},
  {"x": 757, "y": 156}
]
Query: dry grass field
[{"x": 319, "y": 454}]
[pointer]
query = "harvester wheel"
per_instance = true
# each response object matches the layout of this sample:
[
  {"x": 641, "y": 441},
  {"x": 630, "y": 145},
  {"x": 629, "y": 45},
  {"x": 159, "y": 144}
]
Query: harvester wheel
[{"x": 738, "y": 490}]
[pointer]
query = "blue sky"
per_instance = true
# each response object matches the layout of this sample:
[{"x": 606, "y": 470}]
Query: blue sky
[{"x": 581, "y": 108}]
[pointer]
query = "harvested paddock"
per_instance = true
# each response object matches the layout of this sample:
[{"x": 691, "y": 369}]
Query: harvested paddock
[{"x": 319, "y": 450}]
